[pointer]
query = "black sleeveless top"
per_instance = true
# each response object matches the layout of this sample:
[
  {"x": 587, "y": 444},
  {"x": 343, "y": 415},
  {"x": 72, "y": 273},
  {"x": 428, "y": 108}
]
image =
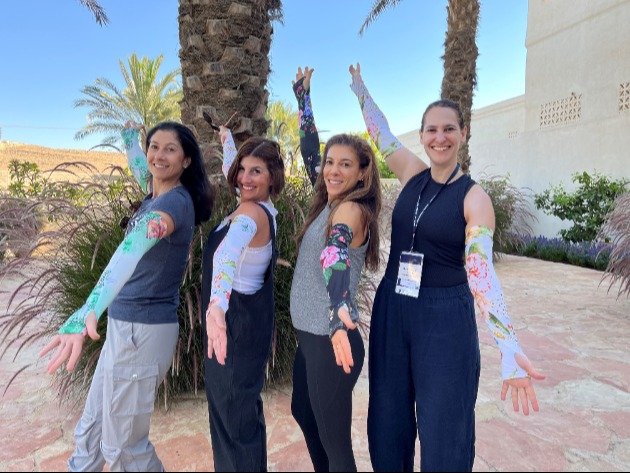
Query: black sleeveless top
[{"x": 441, "y": 231}]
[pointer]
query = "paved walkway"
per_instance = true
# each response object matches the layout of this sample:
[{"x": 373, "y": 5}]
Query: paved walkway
[{"x": 571, "y": 328}]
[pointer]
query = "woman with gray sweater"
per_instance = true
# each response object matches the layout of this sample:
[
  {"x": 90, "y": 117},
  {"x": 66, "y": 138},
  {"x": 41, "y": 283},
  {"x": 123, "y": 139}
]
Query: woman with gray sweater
[{"x": 340, "y": 237}]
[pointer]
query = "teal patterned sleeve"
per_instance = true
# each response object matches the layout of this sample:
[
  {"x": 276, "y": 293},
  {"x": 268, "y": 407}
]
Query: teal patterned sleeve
[
  {"x": 136, "y": 159},
  {"x": 145, "y": 234}
]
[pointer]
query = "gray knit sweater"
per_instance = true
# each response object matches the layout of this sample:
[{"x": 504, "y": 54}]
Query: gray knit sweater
[{"x": 310, "y": 304}]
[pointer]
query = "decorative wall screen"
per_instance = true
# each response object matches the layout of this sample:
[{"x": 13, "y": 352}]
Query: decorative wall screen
[
  {"x": 561, "y": 112},
  {"x": 624, "y": 97}
]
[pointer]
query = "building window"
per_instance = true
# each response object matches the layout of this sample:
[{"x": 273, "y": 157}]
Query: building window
[
  {"x": 512, "y": 134},
  {"x": 561, "y": 112},
  {"x": 624, "y": 97}
]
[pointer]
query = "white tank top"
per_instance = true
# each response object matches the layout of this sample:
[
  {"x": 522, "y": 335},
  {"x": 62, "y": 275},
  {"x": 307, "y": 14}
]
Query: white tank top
[{"x": 253, "y": 263}]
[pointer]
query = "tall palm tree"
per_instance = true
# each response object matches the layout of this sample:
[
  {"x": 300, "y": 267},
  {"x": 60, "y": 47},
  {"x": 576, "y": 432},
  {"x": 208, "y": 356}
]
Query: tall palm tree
[
  {"x": 145, "y": 99},
  {"x": 97, "y": 10},
  {"x": 225, "y": 64},
  {"x": 460, "y": 57}
]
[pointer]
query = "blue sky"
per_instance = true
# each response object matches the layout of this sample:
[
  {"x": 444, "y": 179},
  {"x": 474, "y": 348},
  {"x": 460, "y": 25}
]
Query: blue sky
[{"x": 52, "y": 49}]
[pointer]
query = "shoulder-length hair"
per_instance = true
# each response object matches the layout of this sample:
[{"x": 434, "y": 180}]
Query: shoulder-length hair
[
  {"x": 267, "y": 151},
  {"x": 367, "y": 194},
  {"x": 194, "y": 179}
]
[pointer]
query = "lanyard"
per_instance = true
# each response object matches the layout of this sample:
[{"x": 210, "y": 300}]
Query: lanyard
[{"x": 417, "y": 216}]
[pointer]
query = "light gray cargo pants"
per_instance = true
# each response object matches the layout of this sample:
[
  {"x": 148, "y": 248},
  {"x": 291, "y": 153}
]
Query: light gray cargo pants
[{"x": 114, "y": 427}]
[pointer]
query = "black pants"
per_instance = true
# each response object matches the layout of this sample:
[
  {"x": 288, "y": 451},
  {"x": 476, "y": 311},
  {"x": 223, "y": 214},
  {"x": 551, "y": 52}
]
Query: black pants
[
  {"x": 322, "y": 400},
  {"x": 235, "y": 407}
]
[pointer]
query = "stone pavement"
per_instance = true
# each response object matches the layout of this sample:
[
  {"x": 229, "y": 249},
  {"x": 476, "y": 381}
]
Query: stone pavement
[{"x": 568, "y": 324}]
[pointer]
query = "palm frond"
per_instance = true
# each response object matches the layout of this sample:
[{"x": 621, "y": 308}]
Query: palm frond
[{"x": 378, "y": 8}]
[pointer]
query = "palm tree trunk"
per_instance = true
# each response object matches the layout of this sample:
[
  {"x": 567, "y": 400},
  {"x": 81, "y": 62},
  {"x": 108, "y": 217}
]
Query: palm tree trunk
[
  {"x": 225, "y": 64},
  {"x": 460, "y": 62}
]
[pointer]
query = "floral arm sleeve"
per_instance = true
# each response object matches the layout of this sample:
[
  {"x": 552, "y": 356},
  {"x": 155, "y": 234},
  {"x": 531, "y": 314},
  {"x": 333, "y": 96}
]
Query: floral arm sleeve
[
  {"x": 309, "y": 137},
  {"x": 488, "y": 294},
  {"x": 241, "y": 233},
  {"x": 229, "y": 151},
  {"x": 147, "y": 232},
  {"x": 335, "y": 261},
  {"x": 136, "y": 159},
  {"x": 375, "y": 121}
]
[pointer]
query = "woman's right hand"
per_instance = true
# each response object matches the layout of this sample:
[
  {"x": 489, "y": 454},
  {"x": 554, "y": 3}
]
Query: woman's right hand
[
  {"x": 134, "y": 125},
  {"x": 306, "y": 75},
  {"x": 70, "y": 346},
  {"x": 216, "y": 329}
]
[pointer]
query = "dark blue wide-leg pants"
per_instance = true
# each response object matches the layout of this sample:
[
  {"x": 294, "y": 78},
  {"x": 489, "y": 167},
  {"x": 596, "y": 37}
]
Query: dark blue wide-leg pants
[{"x": 424, "y": 374}]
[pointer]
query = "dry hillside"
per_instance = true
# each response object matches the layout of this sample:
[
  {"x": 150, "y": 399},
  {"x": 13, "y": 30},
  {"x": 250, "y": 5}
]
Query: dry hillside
[{"x": 48, "y": 158}]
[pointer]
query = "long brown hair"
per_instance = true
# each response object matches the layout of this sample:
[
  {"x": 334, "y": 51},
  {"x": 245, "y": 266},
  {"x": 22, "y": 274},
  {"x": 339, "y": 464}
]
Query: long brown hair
[{"x": 367, "y": 194}]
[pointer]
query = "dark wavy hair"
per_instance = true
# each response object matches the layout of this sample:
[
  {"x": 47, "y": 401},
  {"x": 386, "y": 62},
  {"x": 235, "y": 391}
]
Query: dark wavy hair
[
  {"x": 194, "y": 179},
  {"x": 367, "y": 194},
  {"x": 267, "y": 151}
]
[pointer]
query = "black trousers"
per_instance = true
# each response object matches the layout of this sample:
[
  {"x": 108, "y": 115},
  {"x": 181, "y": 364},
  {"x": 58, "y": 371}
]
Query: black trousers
[
  {"x": 235, "y": 407},
  {"x": 322, "y": 400}
]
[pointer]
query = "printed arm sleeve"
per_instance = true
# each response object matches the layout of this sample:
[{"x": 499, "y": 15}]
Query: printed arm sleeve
[
  {"x": 147, "y": 232},
  {"x": 488, "y": 294},
  {"x": 309, "y": 137},
  {"x": 229, "y": 151},
  {"x": 136, "y": 159},
  {"x": 335, "y": 261},
  {"x": 375, "y": 121},
  {"x": 241, "y": 233}
]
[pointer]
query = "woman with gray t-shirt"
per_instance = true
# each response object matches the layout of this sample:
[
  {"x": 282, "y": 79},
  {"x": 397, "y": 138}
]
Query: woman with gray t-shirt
[{"x": 140, "y": 291}]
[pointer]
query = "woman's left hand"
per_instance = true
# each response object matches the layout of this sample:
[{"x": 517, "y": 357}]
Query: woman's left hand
[
  {"x": 217, "y": 333},
  {"x": 523, "y": 388}
]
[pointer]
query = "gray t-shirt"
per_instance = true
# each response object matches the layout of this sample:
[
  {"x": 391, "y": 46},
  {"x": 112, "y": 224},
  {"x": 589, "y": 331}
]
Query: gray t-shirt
[
  {"x": 151, "y": 296},
  {"x": 310, "y": 303}
]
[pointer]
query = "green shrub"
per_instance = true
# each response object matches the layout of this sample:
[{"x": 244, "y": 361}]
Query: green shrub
[
  {"x": 513, "y": 217},
  {"x": 61, "y": 268},
  {"x": 586, "y": 207}
]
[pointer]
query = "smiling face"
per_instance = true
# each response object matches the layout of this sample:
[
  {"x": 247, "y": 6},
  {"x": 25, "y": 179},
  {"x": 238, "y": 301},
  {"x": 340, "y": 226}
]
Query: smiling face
[
  {"x": 254, "y": 180},
  {"x": 166, "y": 157},
  {"x": 442, "y": 135},
  {"x": 342, "y": 171}
]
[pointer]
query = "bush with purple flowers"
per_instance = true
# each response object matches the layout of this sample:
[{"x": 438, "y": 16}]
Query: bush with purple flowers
[{"x": 586, "y": 254}]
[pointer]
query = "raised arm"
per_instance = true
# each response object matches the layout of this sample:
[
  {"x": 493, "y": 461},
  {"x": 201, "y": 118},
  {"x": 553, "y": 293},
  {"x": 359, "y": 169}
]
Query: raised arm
[
  {"x": 309, "y": 137},
  {"x": 145, "y": 234},
  {"x": 402, "y": 161},
  {"x": 229, "y": 149},
  {"x": 136, "y": 159},
  {"x": 517, "y": 370}
]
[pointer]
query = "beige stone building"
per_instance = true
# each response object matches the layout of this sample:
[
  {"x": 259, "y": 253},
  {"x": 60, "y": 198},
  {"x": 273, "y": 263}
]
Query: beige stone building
[{"x": 575, "y": 113}]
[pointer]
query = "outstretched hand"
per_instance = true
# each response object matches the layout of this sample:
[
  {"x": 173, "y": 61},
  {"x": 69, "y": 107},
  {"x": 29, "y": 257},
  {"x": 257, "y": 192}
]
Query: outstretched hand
[
  {"x": 70, "y": 346},
  {"x": 523, "y": 388},
  {"x": 341, "y": 342},
  {"x": 306, "y": 75},
  {"x": 216, "y": 329}
]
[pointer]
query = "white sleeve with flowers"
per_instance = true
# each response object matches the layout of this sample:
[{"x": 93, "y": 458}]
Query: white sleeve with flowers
[
  {"x": 229, "y": 151},
  {"x": 488, "y": 295},
  {"x": 375, "y": 121},
  {"x": 241, "y": 233}
]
